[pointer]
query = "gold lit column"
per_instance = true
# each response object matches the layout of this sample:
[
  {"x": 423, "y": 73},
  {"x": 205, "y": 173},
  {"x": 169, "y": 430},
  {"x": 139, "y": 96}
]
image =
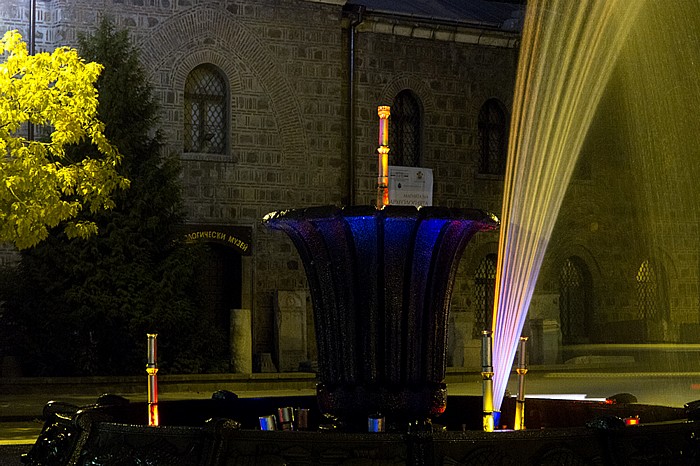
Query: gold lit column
[
  {"x": 152, "y": 370},
  {"x": 487, "y": 380},
  {"x": 383, "y": 157},
  {"x": 520, "y": 400}
]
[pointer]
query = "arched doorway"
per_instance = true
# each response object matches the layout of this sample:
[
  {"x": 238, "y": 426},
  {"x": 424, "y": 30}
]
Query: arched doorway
[
  {"x": 221, "y": 277},
  {"x": 220, "y": 285}
]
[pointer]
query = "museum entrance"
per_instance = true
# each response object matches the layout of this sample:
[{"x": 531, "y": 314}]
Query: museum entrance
[
  {"x": 220, "y": 285},
  {"x": 220, "y": 275}
]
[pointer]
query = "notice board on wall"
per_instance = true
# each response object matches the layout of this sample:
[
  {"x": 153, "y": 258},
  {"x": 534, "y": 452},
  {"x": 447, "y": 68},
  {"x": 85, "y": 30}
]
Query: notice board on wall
[{"x": 410, "y": 186}]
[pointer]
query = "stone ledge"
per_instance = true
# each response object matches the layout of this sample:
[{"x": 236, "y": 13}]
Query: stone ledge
[{"x": 167, "y": 383}]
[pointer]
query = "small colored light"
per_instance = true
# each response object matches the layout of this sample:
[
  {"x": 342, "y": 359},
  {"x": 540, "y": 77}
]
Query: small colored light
[{"x": 632, "y": 421}]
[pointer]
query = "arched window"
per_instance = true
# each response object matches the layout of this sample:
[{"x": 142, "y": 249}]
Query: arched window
[
  {"x": 649, "y": 291},
  {"x": 575, "y": 292},
  {"x": 493, "y": 138},
  {"x": 405, "y": 130},
  {"x": 484, "y": 291},
  {"x": 206, "y": 110}
]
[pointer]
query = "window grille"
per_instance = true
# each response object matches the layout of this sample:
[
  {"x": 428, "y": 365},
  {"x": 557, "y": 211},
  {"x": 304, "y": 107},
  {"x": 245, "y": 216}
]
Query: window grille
[
  {"x": 484, "y": 291},
  {"x": 493, "y": 138},
  {"x": 405, "y": 130},
  {"x": 574, "y": 302},
  {"x": 206, "y": 113},
  {"x": 648, "y": 293}
]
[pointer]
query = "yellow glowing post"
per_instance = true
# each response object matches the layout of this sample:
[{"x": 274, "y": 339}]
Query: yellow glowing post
[
  {"x": 383, "y": 157},
  {"x": 520, "y": 400},
  {"x": 487, "y": 380},
  {"x": 152, "y": 370}
]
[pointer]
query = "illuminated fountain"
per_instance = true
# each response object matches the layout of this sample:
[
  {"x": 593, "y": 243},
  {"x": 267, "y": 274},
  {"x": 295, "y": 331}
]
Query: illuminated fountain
[{"x": 380, "y": 278}]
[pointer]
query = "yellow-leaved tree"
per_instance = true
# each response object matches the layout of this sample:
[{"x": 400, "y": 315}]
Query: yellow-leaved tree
[{"x": 39, "y": 186}]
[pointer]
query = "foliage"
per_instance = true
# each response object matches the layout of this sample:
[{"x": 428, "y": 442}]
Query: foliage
[
  {"x": 84, "y": 306},
  {"x": 41, "y": 184}
]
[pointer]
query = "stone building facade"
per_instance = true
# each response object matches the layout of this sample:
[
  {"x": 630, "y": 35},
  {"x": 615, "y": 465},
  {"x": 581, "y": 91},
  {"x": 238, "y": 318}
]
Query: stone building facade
[{"x": 292, "y": 127}]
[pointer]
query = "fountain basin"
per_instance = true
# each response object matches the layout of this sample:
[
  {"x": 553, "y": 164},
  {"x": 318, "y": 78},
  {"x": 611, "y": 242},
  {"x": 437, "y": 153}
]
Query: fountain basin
[
  {"x": 381, "y": 282},
  {"x": 222, "y": 432}
]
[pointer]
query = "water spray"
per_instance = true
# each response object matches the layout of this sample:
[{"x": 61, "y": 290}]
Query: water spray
[
  {"x": 520, "y": 400},
  {"x": 383, "y": 157},
  {"x": 558, "y": 86},
  {"x": 487, "y": 381},
  {"x": 152, "y": 370}
]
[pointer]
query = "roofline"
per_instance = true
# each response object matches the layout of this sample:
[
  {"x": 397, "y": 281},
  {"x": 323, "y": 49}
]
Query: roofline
[
  {"x": 433, "y": 19},
  {"x": 409, "y": 25},
  {"x": 443, "y": 30}
]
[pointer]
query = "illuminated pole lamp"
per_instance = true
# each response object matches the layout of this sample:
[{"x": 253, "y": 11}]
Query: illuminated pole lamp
[
  {"x": 383, "y": 157},
  {"x": 152, "y": 370},
  {"x": 487, "y": 381},
  {"x": 520, "y": 400}
]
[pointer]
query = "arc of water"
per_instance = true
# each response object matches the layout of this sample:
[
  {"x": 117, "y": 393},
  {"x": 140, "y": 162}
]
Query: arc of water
[{"x": 567, "y": 54}]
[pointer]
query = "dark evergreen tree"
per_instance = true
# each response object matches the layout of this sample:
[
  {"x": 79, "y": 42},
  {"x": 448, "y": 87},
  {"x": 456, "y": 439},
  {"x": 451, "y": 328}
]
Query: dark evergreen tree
[{"x": 83, "y": 307}]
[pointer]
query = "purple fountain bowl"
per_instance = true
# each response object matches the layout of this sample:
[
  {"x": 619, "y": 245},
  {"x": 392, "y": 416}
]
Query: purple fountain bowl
[{"x": 381, "y": 282}]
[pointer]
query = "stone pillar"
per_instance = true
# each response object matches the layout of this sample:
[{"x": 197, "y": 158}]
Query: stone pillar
[
  {"x": 241, "y": 342},
  {"x": 459, "y": 334},
  {"x": 545, "y": 345},
  {"x": 290, "y": 330}
]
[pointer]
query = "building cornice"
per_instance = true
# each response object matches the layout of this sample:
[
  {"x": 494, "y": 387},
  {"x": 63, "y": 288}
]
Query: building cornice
[
  {"x": 441, "y": 31},
  {"x": 505, "y": 34}
]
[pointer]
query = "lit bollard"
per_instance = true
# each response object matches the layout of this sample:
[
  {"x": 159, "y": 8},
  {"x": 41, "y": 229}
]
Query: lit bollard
[
  {"x": 520, "y": 400},
  {"x": 487, "y": 380},
  {"x": 302, "y": 418},
  {"x": 375, "y": 423},
  {"x": 152, "y": 371},
  {"x": 267, "y": 422},
  {"x": 285, "y": 416}
]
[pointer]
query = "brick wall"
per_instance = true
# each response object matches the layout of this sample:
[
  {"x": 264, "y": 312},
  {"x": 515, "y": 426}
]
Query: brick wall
[{"x": 286, "y": 64}]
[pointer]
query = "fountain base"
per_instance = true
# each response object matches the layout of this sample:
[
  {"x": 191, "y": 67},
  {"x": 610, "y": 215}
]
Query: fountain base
[
  {"x": 402, "y": 405},
  {"x": 223, "y": 432}
]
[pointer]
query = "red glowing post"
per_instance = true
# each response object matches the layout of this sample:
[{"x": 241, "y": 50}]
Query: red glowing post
[
  {"x": 383, "y": 157},
  {"x": 152, "y": 370}
]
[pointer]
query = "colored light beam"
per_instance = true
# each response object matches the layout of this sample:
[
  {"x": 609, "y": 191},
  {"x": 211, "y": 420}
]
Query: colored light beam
[{"x": 567, "y": 54}]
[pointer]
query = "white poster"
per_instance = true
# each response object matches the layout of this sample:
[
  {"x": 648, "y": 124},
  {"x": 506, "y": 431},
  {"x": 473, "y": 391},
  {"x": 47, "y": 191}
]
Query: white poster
[{"x": 410, "y": 186}]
